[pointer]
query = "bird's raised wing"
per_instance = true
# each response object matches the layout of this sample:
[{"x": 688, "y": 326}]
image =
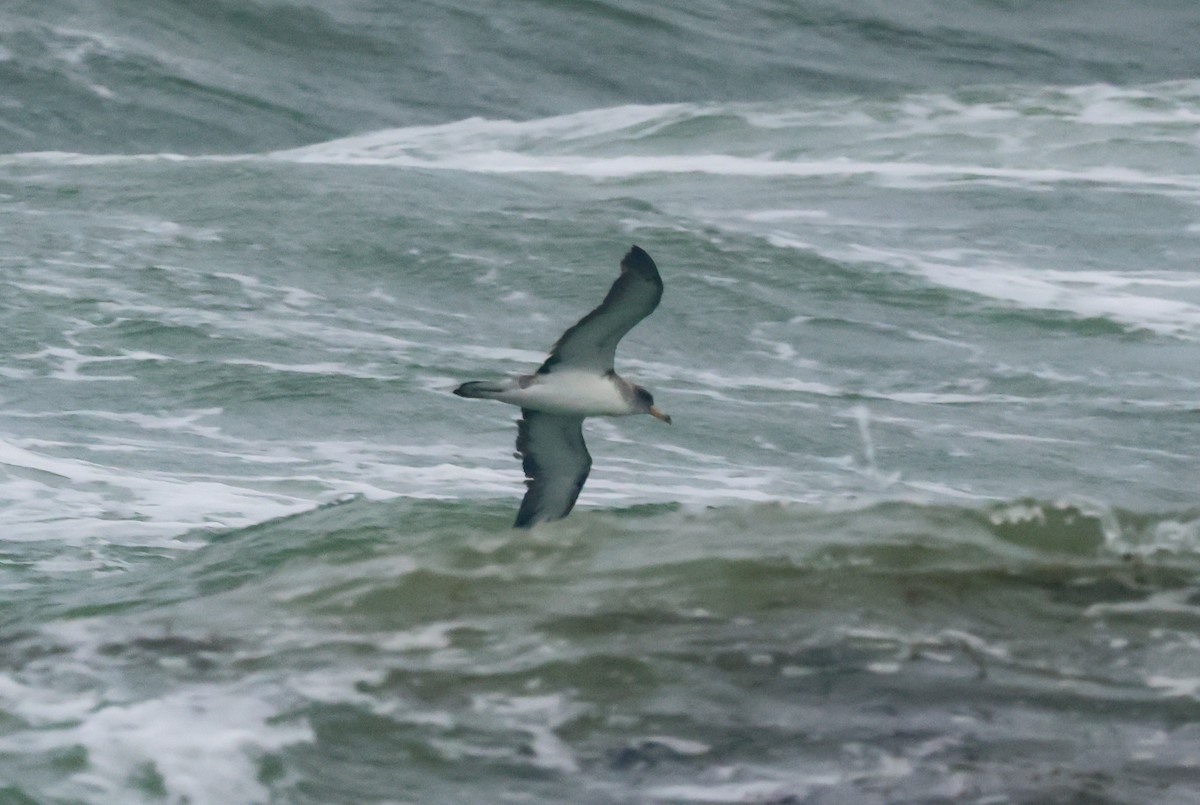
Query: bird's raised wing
[
  {"x": 592, "y": 343},
  {"x": 556, "y": 463}
]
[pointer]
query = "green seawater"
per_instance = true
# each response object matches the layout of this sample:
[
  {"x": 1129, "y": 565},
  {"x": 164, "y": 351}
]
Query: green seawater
[{"x": 655, "y": 654}]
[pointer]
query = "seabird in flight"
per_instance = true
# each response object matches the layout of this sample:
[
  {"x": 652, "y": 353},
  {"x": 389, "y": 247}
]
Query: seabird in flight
[{"x": 575, "y": 382}]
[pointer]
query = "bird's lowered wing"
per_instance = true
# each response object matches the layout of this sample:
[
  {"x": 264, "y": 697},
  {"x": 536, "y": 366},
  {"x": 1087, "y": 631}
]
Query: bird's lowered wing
[
  {"x": 592, "y": 343},
  {"x": 556, "y": 463}
]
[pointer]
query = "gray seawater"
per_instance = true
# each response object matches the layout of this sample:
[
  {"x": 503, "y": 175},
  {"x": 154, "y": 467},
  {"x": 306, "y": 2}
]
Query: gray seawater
[{"x": 926, "y": 528}]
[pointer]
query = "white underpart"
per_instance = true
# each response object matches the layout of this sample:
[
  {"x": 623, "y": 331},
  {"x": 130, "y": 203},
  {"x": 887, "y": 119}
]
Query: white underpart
[{"x": 570, "y": 392}]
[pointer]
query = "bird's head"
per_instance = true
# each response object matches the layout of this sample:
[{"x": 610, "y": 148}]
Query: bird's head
[{"x": 645, "y": 404}]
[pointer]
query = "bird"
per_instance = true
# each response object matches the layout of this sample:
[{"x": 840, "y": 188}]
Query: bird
[{"x": 577, "y": 380}]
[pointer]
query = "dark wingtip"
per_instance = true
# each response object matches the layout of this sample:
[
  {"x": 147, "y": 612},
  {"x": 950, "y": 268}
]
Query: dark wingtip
[
  {"x": 479, "y": 389},
  {"x": 636, "y": 253},
  {"x": 637, "y": 260}
]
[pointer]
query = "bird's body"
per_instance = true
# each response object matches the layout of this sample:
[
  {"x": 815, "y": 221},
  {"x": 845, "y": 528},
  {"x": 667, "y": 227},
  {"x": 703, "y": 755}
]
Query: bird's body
[
  {"x": 570, "y": 392},
  {"x": 576, "y": 381}
]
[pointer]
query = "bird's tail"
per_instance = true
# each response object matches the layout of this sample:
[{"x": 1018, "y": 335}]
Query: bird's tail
[{"x": 482, "y": 389}]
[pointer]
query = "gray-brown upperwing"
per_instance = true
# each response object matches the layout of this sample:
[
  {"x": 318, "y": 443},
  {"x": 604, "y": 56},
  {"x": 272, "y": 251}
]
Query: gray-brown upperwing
[
  {"x": 556, "y": 463},
  {"x": 592, "y": 343}
]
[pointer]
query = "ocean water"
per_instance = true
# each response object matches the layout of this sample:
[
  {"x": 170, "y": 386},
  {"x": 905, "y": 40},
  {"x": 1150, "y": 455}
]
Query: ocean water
[{"x": 926, "y": 528}]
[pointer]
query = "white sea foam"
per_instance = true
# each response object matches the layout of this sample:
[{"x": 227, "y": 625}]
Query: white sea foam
[
  {"x": 678, "y": 746},
  {"x": 325, "y": 369},
  {"x": 1029, "y": 288},
  {"x": 993, "y": 127},
  {"x": 46, "y": 497},
  {"x": 202, "y": 743},
  {"x": 750, "y": 791},
  {"x": 43, "y": 708},
  {"x": 1169, "y": 103},
  {"x": 624, "y": 167},
  {"x": 537, "y": 146},
  {"x": 1088, "y": 294},
  {"x": 548, "y": 145},
  {"x": 538, "y": 717},
  {"x": 1178, "y": 687},
  {"x": 1168, "y": 602}
]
